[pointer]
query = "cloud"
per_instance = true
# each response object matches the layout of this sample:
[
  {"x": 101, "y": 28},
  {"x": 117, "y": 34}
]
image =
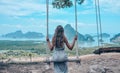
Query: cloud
[
  {"x": 106, "y": 6},
  {"x": 86, "y": 25},
  {"x": 20, "y": 8},
  {"x": 26, "y": 7},
  {"x": 110, "y": 5},
  {"x": 21, "y": 14},
  {"x": 58, "y": 22},
  {"x": 24, "y": 28},
  {"x": 90, "y": 11},
  {"x": 39, "y": 26}
]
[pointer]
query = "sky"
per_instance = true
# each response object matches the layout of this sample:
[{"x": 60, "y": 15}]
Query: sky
[{"x": 30, "y": 15}]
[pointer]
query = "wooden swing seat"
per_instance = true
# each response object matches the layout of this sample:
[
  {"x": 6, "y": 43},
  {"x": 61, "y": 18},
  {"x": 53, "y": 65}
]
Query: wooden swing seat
[
  {"x": 44, "y": 60},
  {"x": 70, "y": 59}
]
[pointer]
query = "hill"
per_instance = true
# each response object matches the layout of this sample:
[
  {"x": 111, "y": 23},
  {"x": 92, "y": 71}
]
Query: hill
[
  {"x": 20, "y": 34},
  {"x": 70, "y": 33},
  {"x": 116, "y": 38},
  {"x": 104, "y": 35}
]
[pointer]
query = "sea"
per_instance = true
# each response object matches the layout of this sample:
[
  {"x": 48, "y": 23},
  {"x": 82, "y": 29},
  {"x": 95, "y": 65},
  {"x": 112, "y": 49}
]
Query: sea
[
  {"x": 83, "y": 44},
  {"x": 22, "y": 39}
]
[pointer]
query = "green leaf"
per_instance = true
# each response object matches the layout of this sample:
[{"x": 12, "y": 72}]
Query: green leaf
[{"x": 65, "y": 3}]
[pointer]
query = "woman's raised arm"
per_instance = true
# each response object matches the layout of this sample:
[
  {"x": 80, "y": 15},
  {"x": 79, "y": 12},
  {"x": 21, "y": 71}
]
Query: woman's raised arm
[
  {"x": 67, "y": 43},
  {"x": 50, "y": 45}
]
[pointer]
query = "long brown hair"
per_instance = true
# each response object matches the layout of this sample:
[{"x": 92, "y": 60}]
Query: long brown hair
[{"x": 59, "y": 36}]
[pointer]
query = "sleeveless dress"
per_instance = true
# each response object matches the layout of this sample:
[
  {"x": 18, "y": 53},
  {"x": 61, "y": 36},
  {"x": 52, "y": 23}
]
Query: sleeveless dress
[{"x": 60, "y": 61}]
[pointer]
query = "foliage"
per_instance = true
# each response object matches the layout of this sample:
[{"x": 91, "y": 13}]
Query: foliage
[
  {"x": 64, "y": 3},
  {"x": 81, "y": 51},
  {"x": 27, "y": 48}
]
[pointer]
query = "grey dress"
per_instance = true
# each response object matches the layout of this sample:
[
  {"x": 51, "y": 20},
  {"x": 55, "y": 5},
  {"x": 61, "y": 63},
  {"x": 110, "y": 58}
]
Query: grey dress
[{"x": 60, "y": 61}]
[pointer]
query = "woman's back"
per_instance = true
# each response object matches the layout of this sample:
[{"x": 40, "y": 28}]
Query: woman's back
[{"x": 59, "y": 55}]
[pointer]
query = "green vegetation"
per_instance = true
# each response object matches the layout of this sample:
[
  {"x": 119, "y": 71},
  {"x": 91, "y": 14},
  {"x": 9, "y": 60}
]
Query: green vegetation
[
  {"x": 10, "y": 49},
  {"x": 81, "y": 51},
  {"x": 21, "y": 48},
  {"x": 65, "y": 3}
]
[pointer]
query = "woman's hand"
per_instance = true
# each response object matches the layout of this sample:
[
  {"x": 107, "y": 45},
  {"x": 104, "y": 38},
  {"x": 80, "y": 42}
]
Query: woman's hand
[
  {"x": 47, "y": 39},
  {"x": 75, "y": 37}
]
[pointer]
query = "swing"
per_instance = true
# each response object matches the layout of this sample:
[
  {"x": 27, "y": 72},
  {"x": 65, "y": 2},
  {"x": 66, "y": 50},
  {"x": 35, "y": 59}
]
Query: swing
[
  {"x": 99, "y": 32},
  {"x": 99, "y": 28},
  {"x": 73, "y": 59}
]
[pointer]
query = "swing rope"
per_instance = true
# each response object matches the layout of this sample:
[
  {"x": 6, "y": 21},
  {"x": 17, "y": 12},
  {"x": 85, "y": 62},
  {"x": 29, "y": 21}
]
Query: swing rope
[
  {"x": 98, "y": 22},
  {"x": 76, "y": 29},
  {"x": 47, "y": 14},
  {"x": 47, "y": 22}
]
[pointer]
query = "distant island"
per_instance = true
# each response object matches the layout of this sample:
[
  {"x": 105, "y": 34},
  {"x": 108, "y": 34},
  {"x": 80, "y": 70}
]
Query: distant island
[
  {"x": 20, "y": 34},
  {"x": 104, "y": 35},
  {"x": 69, "y": 31},
  {"x": 116, "y": 38}
]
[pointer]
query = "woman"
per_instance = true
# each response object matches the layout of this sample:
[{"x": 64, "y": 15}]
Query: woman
[{"x": 58, "y": 44}]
